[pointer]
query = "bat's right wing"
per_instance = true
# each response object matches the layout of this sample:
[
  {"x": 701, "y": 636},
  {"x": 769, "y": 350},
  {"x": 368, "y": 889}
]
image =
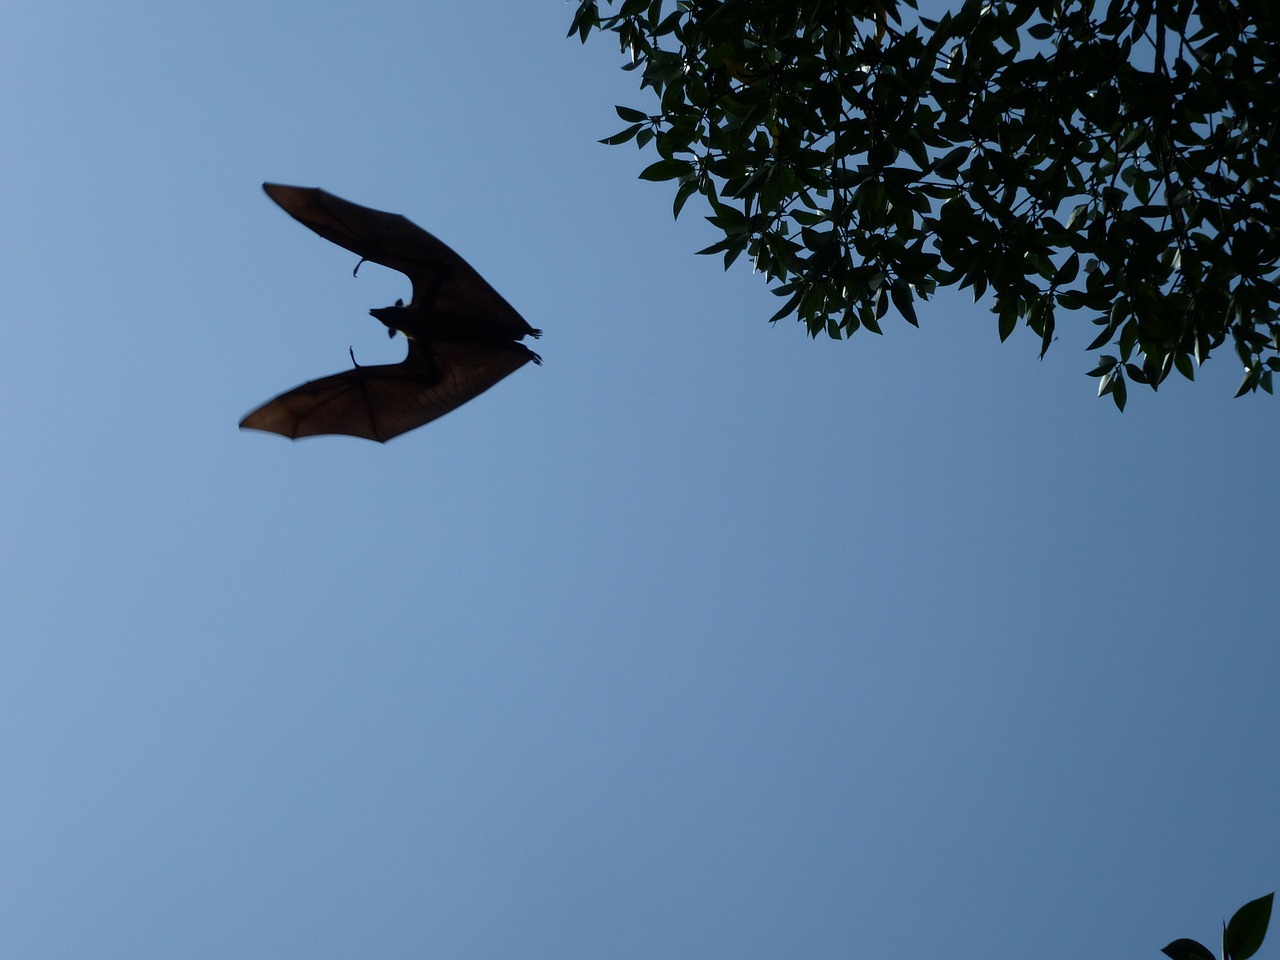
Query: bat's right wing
[
  {"x": 442, "y": 280},
  {"x": 381, "y": 402}
]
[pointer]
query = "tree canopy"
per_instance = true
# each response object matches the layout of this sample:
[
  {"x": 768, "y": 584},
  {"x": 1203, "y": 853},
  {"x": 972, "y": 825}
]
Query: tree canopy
[{"x": 1116, "y": 160}]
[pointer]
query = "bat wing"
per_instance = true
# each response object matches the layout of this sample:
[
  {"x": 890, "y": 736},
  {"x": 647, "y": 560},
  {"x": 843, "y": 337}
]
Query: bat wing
[
  {"x": 442, "y": 280},
  {"x": 381, "y": 402}
]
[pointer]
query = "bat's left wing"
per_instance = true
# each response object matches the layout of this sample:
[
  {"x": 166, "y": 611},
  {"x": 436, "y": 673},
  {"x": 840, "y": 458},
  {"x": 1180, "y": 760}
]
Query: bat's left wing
[
  {"x": 442, "y": 281},
  {"x": 381, "y": 402}
]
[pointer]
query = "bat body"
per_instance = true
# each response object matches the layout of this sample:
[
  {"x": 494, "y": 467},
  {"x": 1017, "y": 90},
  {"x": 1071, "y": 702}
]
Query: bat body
[{"x": 463, "y": 337}]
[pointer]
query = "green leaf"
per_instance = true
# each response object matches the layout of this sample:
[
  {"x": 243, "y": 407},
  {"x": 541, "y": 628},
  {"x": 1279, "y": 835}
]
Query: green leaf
[
  {"x": 1068, "y": 271},
  {"x": 789, "y": 307},
  {"x": 621, "y": 136},
  {"x": 1185, "y": 949},
  {"x": 586, "y": 17},
  {"x": 1049, "y": 324},
  {"x": 729, "y": 219},
  {"x": 1008, "y": 322},
  {"x": 1119, "y": 393},
  {"x": 1128, "y": 338},
  {"x": 950, "y": 164},
  {"x": 900, "y": 293},
  {"x": 664, "y": 170},
  {"x": 1249, "y": 382},
  {"x": 1244, "y": 933},
  {"x": 1102, "y": 339},
  {"x": 1105, "y": 366},
  {"x": 630, "y": 115},
  {"x": 685, "y": 191}
]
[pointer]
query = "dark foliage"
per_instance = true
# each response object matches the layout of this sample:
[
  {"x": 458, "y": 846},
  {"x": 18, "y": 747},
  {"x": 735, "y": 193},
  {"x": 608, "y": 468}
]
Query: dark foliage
[
  {"x": 1116, "y": 160},
  {"x": 1241, "y": 938}
]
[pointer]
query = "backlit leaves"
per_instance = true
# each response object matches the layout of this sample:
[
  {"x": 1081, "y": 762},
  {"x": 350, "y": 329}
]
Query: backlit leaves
[{"x": 1111, "y": 160}]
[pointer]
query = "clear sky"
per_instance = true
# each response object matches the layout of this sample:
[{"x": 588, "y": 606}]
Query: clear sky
[{"x": 702, "y": 640}]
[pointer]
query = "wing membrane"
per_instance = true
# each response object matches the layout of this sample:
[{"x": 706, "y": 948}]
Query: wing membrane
[
  {"x": 381, "y": 402},
  {"x": 443, "y": 282}
]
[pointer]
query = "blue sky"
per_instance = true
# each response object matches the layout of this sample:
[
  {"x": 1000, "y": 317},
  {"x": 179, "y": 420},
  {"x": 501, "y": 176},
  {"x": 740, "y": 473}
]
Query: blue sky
[{"x": 701, "y": 640}]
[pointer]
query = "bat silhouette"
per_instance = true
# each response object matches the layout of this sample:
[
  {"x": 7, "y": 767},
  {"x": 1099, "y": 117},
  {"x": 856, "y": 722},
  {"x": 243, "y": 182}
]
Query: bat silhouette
[{"x": 462, "y": 335}]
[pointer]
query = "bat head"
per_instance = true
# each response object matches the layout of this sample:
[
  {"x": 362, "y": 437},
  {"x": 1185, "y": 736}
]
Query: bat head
[{"x": 391, "y": 317}]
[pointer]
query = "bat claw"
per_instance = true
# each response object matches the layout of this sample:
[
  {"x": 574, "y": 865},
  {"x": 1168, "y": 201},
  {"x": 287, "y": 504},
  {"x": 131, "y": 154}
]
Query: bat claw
[
  {"x": 357, "y": 269},
  {"x": 535, "y": 334},
  {"x": 352, "y": 351}
]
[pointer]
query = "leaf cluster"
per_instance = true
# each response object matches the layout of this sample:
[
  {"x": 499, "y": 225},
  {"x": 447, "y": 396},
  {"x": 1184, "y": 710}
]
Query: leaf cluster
[
  {"x": 1241, "y": 937},
  {"x": 1115, "y": 159}
]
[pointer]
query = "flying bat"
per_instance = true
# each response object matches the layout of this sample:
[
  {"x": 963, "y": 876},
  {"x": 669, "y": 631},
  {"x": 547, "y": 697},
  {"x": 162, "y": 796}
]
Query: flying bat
[{"x": 463, "y": 337}]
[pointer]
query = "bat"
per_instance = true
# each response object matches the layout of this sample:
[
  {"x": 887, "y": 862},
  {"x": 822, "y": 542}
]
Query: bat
[{"x": 463, "y": 337}]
